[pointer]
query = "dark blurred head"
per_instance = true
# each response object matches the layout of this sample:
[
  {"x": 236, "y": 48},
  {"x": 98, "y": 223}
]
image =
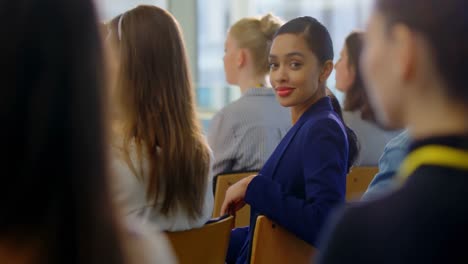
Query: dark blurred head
[
  {"x": 412, "y": 46},
  {"x": 54, "y": 185}
]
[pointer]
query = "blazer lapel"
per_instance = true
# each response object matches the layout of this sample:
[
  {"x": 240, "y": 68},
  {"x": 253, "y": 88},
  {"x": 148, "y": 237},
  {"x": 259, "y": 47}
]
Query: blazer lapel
[{"x": 270, "y": 166}]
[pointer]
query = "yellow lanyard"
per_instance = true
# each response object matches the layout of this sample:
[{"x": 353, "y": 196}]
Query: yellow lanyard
[{"x": 433, "y": 155}]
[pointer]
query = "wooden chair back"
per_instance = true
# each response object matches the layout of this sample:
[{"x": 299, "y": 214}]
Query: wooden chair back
[
  {"x": 358, "y": 180},
  {"x": 272, "y": 244},
  {"x": 223, "y": 181},
  {"x": 205, "y": 245}
]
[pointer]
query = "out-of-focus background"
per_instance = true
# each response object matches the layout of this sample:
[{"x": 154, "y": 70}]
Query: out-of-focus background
[{"x": 205, "y": 22}]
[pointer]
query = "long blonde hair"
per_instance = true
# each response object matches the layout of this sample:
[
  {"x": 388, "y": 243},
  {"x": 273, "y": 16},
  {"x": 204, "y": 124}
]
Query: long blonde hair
[
  {"x": 156, "y": 96},
  {"x": 256, "y": 34}
]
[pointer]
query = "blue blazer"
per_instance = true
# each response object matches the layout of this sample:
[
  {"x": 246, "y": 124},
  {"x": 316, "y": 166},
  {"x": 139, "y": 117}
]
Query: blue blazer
[{"x": 304, "y": 179}]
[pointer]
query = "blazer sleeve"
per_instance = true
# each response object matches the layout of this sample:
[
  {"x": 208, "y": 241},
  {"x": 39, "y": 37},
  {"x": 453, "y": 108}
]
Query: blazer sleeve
[
  {"x": 222, "y": 140},
  {"x": 323, "y": 156}
]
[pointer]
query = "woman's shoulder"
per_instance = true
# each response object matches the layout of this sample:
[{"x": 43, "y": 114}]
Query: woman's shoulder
[
  {"x": 252, "y": 103},
  {"x": 323, "y": 121},
  {"x": 313, "y": 132},
  {"x": 129, "y": 174},
  {"x": 128, "y": 154}
]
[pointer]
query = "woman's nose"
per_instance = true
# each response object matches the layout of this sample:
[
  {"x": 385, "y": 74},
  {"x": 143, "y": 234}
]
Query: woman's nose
[{"x": 280, "y": 75}]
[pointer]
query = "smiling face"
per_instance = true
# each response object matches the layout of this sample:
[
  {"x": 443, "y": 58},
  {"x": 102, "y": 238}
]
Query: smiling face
[{"x": 294, "y": 71}]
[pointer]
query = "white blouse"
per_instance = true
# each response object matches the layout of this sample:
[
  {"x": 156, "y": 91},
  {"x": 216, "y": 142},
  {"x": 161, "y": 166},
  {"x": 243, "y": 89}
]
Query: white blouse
[
  {"x": 146, "y": 244},
  {"x": 130, "y": 194}
]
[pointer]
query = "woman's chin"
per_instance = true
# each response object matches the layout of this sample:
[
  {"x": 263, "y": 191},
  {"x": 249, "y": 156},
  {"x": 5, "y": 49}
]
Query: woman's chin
[{"x": 284, "y": 102}]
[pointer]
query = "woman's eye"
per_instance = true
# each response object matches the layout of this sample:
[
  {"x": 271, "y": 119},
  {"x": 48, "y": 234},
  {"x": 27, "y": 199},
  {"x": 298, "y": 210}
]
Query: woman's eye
[
  {"x": 273, "y": 65},
  {"x": 295, "y": 65}
]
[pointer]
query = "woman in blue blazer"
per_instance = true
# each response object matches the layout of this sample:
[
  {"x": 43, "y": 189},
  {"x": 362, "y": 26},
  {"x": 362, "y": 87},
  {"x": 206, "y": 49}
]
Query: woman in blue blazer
[{"x": 305, "y": 177}]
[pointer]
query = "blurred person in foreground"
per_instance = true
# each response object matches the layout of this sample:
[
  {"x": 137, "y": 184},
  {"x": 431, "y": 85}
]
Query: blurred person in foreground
[
  {"x": 424, "y": 57},
  {"x": 56, "y": 206}
]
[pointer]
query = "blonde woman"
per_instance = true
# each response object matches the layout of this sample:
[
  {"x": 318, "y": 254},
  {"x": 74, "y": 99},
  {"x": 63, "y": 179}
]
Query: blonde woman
[
  {"x": 244, "y": 134},
  {"x": 162, "y": 161}
]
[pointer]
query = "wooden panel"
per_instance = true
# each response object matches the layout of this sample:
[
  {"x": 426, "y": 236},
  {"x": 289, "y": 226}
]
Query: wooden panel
[
  {"x": 222, "y": 184},
  {"x": 273, "y": 244},
  {"x": 205, "y": 245},
  {"x": 358, "y": 180}
]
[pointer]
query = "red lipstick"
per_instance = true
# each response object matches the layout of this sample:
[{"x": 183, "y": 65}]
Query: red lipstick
[{"x": 284, "y": 91}]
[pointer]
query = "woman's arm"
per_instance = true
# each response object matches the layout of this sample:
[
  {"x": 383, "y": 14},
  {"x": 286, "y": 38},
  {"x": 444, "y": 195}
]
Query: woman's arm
[{"x": 324, "y": 161}]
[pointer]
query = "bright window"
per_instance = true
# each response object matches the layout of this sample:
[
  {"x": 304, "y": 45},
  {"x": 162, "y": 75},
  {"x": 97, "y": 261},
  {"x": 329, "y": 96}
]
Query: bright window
[{"x": 108, "y": 9}]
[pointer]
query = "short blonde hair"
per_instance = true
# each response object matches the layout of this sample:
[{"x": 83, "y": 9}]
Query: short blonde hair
[{"x": 256, "y": 34}]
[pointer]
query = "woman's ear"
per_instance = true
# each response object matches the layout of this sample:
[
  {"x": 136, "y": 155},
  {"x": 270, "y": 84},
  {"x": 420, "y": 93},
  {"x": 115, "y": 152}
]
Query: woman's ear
[
  {"x": 326, "y": 71},
  {"x": 241, "y": 58},
  {"x": 405, "y": 47}
]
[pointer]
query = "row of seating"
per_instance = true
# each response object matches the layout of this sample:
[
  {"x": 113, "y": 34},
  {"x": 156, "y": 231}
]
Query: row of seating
[
  {"x": 208, "y": 245},
  {"x": 271, "y": 243},
  {"x": 356, "y": 184}
]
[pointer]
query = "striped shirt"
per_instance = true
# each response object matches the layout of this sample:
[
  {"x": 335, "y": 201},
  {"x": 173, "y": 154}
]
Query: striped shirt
[{"x": 243, "y": 134}]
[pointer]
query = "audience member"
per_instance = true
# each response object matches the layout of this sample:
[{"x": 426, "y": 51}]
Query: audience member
[
  {"x": 305, "y": 177},
  {"x": 161, "y": 159},
  {"x": 385, "y": 180},
  {"x": 244, "y": 134},
  {"x": 358, "y": 114}
]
